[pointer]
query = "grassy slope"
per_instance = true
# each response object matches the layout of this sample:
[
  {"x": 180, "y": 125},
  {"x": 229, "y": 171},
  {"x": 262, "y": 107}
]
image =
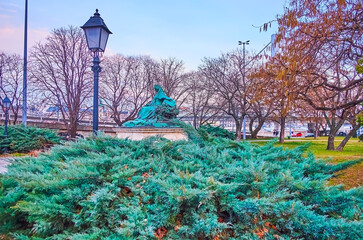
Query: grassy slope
[{"x": 351, "y": 177}]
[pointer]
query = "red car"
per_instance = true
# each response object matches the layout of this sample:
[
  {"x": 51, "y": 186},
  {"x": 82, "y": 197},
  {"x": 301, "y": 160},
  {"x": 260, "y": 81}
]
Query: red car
[{"x": 298, "y": 134}]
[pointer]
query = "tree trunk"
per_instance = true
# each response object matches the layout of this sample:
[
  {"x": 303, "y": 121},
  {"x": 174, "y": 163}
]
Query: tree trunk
[
  {"x": 316, "y": 130},
  {"x": 331, "y": 140},
  {"x": 195, "y": 121},
  {"x": 334, "y": 128},
  {"x": 117, "y": 121},
  {"x": 252, "y": 120},
  {"x": 331, "y": 137},
  {"x": 116, "y": 116},
  {"x": 257, "y": 129},
  {"x": 282, "y": 129},
  {"x": 238, "y": 130},
  {"x": 15, "y": 114},
  {"x": 72, "y": 128},
  {"x": 15, "y": 119},
  {"x": 346, "y": 139}
]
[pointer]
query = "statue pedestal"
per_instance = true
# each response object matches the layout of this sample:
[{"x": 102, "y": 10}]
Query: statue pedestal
[{"x": 173, "y": 134}]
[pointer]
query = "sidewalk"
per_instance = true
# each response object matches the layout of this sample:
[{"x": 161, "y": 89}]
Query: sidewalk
[{"x": 4, "y": 162}]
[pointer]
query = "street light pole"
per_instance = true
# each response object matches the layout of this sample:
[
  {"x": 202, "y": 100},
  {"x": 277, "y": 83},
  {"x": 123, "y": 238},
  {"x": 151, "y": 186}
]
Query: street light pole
[
  {"x": 24, "y": 110},
  {"x": 96, "y": 33},
  {"x": 6, "y": 104},
  {"x": 6, "y": 123},
  {"x": 243, "y": 77},
  {"x": 96, "y": 70}
]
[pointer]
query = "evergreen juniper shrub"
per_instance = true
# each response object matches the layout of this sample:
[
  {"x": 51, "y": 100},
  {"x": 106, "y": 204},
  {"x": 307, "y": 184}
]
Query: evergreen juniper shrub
[
  {"x": 23, "y": 139},
  {"x": 217, "y": 131},
  {"x": 107, "y": 188}
]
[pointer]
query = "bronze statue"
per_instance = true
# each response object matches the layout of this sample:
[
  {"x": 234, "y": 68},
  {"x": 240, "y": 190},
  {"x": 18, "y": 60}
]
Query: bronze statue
[{"x": 156, "y": 113}]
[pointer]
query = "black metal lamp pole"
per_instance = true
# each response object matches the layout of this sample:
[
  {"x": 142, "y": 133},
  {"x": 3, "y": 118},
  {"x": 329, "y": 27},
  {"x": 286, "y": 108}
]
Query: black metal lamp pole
[
  {"x": 25, "y": 107},
  {"x": 96, "y": 70},
  {"x": 6, "y": 123},
  {"x": 96, "y": 33},
  {"x": 6, "y": 104}
]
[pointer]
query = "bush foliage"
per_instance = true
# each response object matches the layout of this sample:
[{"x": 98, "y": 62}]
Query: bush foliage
[
  {"x": 23, "y": 139},
  {"x": 217, "y": 131},
  {"x": 107, "y": 188}
]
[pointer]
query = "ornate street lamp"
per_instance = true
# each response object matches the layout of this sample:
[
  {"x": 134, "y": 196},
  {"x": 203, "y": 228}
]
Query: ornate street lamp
[
  {"x": 96, "y": 33},
  {"x": 6, "y": 104}
]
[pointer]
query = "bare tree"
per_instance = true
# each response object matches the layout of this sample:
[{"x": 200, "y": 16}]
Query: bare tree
[
  {"x": 61, "y": 67},
  {"x": 335, "y": 96},
  {"x": 171, "y": 76},
  {"x": 199, "y": 103},
  {"x": 231, "y": 88},
  {"x": 352, "y": 118},
  {"x": 263, "y": 104},
  {"x": 259, "y": 95},
  {"x": 126, "y": 85},
  {"x": 324, "y": 42},
  {"x": 11, "y": 79}
]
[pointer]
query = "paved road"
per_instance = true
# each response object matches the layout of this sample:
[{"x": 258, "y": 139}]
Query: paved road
[{"x": 4, "y": 162}]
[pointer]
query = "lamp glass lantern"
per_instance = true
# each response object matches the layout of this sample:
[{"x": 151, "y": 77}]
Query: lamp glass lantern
[
  {"x": 6, "y": 103},
  {"x": 96, "y": 33}
]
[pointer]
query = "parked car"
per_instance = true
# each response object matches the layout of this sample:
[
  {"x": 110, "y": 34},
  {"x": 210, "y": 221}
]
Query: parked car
[
  {"x": 309, "y": 135},
  {"x": 298, "y": 134},
  {"x": 342, "y": 134}
]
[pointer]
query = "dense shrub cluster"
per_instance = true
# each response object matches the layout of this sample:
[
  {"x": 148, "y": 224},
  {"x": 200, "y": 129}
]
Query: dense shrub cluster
[
  {"x": 23, "y": 139},
  {"x": 217, "y": 131},
  {"x": 106, "y": 188}
]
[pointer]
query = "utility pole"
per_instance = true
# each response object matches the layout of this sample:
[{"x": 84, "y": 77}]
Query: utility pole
[
  {"x": 244, "y": 74},
  {"x": 24, "y": 113}
]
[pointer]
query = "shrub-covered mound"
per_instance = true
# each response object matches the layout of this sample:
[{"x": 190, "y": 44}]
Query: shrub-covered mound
[
  {"x": 23, "y": 139},
  {"x": 106, "y": 188}
]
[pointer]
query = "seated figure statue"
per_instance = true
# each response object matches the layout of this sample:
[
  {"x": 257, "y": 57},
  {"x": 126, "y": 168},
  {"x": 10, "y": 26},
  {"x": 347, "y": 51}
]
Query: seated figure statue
[{"x": 156, "y": 113}]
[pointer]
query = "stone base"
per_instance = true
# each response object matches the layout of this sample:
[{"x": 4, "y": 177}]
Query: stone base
[{"x": 173, "y": 134}]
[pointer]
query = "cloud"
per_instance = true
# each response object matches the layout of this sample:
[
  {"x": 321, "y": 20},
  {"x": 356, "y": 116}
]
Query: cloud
[
  {"x": 11, "y": 8},
  {"x": 12, "y": 38},
  {"x": 4, "y": 16},
  {"x": 12, "y": 4}
]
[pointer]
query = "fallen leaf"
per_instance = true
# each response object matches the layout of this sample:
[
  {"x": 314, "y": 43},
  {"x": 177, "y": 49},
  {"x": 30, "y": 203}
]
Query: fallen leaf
[
  {"x": 145, "y": 175},
  {"x": 160, "y": 232},
  {"x": 270, "y": 225},
  {"x": 34, "y": 153}
]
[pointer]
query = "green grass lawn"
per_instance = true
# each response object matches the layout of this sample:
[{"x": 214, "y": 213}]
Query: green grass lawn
[
  {"x": 352, "y": 150},
  {"x": 350, "y": 177}
]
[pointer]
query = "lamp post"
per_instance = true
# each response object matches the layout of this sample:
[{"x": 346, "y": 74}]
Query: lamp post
[
  {"x": 6, "y": 104},
  {"x": 96, "y": 33},
  {"x": 25, "y": 83},
  {"x": 244, "y": 74}
]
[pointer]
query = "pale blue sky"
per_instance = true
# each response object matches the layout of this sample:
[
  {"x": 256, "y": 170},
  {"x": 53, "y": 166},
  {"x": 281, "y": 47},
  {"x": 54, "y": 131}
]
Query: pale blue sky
[{"x": 188, "y": 30}]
